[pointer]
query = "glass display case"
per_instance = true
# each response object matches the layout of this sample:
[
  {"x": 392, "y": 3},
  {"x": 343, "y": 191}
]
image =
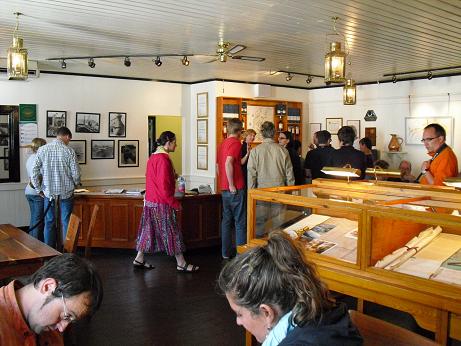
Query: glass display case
[{"x": 395, "y": 244}]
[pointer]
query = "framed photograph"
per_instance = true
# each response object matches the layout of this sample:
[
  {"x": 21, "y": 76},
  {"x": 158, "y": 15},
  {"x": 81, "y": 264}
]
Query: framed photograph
[
  {"x": 128, "y": 153},
  {"x": 79, "y": 147},
  {"x": 202, "y": 105},
  {"x": 313, "y": 128},
  {"x": 202, "y": 157},
  {"x": 202, "y": 131},
  {"x": 355, "y": 124},
  {"x": 55, "y": 120},
  {"x": 370, "y": 132},
  {"x": 333, "y": 125},
  {"x": 415, "y": 127},
  {"x": 117, "y": 124},
  {"x": 87, "y": 122},
  {"x": 102, "y": 149}
]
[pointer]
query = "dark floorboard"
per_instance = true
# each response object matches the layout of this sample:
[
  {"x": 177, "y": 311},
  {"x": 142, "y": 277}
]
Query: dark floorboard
[
  {"x": 163, "y": 307},
  {"x": 159, "y": 306}
]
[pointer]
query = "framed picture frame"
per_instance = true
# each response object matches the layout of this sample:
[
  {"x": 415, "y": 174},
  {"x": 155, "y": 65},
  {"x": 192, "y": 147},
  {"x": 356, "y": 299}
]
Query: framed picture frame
[
  {"x": 55, "y": 120},
  {"x": 102, "y": 149},
  {"x": 414, "y": 128},
  {"x": 202, "y": 131},
  {"x": 202, "y": 105},
  {"x": 202, "y": 157},
  {"x": 117, "y": 124},
  {"x": 370, "y": 132},
  {"x": 87, "y": 122},
  {"x": 128, "y": 153},
  {"x": 332, "y": 125},
  {"x": 355, "y": 124},
  {"x": 313, "y": 128},
  {"x": 79, "y": 147}
]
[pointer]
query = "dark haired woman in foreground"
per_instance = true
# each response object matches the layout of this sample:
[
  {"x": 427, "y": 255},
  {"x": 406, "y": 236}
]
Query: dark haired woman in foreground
[{"x": 279, "y": 298}]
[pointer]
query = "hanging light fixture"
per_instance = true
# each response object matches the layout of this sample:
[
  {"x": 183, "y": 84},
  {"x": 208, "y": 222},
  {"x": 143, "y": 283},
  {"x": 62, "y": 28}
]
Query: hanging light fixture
[
  {"x": 63, "y": 63},
  {"x": 309, "y": 80},
  {"x": 349, "y": 92},
  {"x": 429, "y": 75},
  {"x": 335, "y": 60},
  {"x": 289, "y": 77},
  {"x": 17, "y": 56},
  {"x": 91, "y": 63},
  {"x": 127, "y": 61},
  {"x": 158, "y": 62}
]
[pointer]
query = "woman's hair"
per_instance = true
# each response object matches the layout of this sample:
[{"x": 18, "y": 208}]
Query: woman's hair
[
  {"x": 366, "y": 141},
  {"x": 37, "y": 142},
  {"x": 247, "y": 133},
  {"x": 279, "y": 275},
  {"x": 166, "y": 136},
  {"x": 289, "y": 137}
]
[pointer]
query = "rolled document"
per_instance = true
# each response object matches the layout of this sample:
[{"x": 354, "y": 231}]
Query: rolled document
[{"x": 424, "y": 238}]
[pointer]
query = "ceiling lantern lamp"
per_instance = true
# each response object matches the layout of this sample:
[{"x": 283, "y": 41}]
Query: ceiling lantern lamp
[
  {"x": 335, "y": 58},
  {"x": 17, "y": 56},
  {"x": 349, "y": 92}
]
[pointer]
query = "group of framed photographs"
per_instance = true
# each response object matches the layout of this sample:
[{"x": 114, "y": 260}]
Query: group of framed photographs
[
  {"x": 104, "y": 149},
  {"x": 202, "y": 131},
  {"x": 86, "y": 123}
]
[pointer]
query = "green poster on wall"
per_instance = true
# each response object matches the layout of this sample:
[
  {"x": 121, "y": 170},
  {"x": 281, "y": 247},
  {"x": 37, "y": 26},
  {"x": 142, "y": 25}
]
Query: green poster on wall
[{"x": 27, "y": 113}]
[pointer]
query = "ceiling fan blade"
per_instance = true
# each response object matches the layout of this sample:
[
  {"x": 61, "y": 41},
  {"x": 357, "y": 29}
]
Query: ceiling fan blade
[
  {"x": 235, "y": 49},
  {"x": 248, "y": 58},
  {"x": 212, "y": 60}
]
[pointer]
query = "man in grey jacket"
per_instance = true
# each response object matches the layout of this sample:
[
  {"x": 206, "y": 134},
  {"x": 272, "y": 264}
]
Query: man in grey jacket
[{"x": 269, "y": 165}]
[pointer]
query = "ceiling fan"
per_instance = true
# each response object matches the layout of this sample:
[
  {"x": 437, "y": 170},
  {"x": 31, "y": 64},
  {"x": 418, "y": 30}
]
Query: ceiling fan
[{"x": 225, "y": 50}]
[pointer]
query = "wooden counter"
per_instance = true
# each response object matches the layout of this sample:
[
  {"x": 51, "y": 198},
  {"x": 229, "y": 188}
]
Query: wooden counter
[{"x": 119, "y": 215}]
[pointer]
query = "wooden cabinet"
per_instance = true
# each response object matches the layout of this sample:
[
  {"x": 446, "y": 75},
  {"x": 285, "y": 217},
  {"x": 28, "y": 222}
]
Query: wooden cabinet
[
  {"x": 286, "y": 115},
  {"x": 382, "y": 217},
  {"x": 119, "y": 215}
]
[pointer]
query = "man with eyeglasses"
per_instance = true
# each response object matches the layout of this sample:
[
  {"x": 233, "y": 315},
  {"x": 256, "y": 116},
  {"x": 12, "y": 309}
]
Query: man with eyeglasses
[
  {"x": 64, "y": 290},
  {"x": 443, "y": 163}
]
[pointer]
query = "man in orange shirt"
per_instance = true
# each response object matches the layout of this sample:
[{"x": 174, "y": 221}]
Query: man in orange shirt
[
  {"x": 443, "y": 163},
  {"x": 63, "y": 291}
]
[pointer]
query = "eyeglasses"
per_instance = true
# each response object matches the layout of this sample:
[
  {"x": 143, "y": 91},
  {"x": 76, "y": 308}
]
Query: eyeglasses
[
  {"x": 67, "y": 317},
  {"x": 425, "y": 140},
  {"x": 282, "y": 137}
]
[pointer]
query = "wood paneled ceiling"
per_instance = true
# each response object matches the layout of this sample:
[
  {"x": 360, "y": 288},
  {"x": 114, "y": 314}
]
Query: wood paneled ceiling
[{"x": 384, "y": 36}]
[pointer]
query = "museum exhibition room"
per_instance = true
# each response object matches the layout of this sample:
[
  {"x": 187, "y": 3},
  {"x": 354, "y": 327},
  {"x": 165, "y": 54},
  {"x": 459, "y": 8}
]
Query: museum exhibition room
[{"x": 189, "y": 79}]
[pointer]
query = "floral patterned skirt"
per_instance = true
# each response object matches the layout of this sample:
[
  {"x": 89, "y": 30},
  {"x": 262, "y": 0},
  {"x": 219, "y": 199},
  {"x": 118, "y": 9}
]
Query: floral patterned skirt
[{"x": 159, "y": 231}]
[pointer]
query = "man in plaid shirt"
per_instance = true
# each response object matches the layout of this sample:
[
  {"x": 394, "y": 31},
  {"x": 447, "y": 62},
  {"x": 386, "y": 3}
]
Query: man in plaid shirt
[{"x": 55, "y": 174}]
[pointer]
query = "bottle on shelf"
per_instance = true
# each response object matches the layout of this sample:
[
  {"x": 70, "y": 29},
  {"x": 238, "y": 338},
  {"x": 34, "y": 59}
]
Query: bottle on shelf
[{"x": 181, "y": 184}]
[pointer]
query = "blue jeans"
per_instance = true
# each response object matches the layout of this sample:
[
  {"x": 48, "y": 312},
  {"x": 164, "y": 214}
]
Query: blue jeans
[
  {"x": 36, "y": 203},
  {"x": 66, "y": 207},
  {"x": 233, "y": 214}
]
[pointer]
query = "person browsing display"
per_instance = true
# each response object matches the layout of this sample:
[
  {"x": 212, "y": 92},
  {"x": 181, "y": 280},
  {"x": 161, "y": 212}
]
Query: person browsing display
[
  {"x": 443, "y": 163},
  {"x": 279, "y": 298}
]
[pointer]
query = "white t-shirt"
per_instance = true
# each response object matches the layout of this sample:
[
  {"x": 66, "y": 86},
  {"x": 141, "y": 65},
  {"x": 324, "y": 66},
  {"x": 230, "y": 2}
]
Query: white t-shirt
[{"x": 29, "y": 166}]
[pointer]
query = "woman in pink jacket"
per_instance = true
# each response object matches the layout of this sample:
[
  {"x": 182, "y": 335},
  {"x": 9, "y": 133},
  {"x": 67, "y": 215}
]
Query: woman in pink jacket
[{"x": 158, "y": 229}]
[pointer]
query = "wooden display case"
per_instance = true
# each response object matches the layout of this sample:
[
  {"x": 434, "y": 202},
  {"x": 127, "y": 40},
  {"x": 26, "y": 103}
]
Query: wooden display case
[
  {"x": 286, "y": 115},
  {"x": 385, "y": 217},
  {"x": 119, "y": 215}
]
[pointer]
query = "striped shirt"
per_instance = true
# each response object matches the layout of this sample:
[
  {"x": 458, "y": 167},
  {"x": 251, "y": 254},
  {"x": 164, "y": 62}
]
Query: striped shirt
[{"x": 61, "y": 172}]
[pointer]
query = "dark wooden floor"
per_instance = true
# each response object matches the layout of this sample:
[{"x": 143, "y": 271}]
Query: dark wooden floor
[
  {"x": 163, "y": 307},
  {"x": 159, "y": 306}
]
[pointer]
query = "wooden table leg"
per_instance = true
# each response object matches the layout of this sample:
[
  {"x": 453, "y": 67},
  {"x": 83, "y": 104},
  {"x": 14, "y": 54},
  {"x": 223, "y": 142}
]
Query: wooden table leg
[
  {"x": 360, "y": 303},
  {"x": 441, "y": 327}
]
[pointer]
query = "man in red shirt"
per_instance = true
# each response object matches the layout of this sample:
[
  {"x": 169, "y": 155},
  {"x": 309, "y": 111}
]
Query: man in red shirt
[
  {"x": 66, "y": 289},
  {"x": 443, "y": 163},
  {"x": 232, "y": 187}
]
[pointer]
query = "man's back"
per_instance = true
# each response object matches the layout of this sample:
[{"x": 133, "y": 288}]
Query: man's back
[
  {"x": 348, "y": 155},
  {"x": 317, "y": 159},
  {"x": 269, "y": 165},
  {"x": 59, "y": 168}
]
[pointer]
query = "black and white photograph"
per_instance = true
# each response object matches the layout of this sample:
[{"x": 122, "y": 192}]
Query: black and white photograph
[
  {"x": 87, "y": 122},
  {"x": 102, "y": 149},
  {"x": 117, "y": 124},
  {"x": 55, "y": 120},
  {"x": 3, "y": 129},
  {"x": 128, "y": 153},
  {"x": 79, "y": 147}
]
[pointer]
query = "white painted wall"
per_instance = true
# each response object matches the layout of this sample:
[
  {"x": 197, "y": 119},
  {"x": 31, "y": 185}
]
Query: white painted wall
[
  {"x": 391, "y": 103},
  {"x": 97, "y": 95}
]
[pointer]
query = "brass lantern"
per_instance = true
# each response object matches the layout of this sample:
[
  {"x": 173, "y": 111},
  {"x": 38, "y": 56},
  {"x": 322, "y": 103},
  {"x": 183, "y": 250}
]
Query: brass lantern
[
  {"x": 335, "y": 64},
  {"x": 17, "y": 57},
  {"x": 349, "y": 92}
]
